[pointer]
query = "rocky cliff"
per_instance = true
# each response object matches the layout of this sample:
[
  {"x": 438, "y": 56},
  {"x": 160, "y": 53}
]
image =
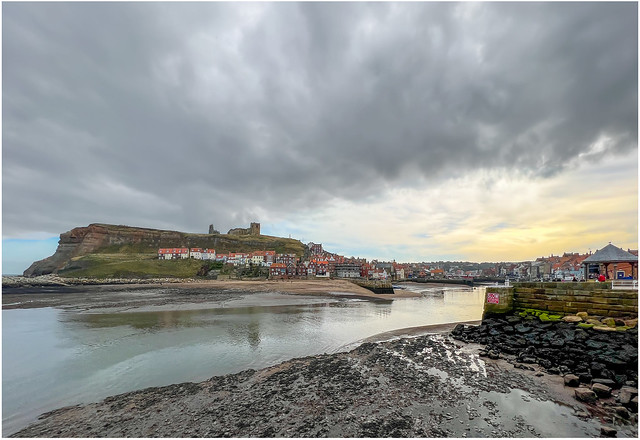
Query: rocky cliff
[{"x": 112, "y": 239}]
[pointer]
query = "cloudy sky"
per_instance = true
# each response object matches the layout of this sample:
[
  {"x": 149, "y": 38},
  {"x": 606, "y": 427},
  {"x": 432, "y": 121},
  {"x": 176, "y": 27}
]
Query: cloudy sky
[{"x": 407, "y": 131}]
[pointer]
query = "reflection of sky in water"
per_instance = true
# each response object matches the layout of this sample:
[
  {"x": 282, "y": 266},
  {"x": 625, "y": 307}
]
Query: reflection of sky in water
[
  {"x": 558, "y": 420},
  {"x": 66, "y": 357}
]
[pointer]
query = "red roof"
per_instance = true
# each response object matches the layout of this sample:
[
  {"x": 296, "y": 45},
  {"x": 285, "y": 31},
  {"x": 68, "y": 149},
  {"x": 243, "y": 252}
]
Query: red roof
[{"x": 174, "y": 251}]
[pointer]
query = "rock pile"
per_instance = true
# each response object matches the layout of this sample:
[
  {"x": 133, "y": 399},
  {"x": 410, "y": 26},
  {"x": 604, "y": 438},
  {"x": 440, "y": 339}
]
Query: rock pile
[
  {"x": 600, "y": 360},
  {"x": 55, "y": 281}
]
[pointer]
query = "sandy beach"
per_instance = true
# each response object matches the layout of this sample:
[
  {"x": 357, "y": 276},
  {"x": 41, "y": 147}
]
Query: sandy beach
[
  {"x": 305, "y": 287},
  {"x": 185, "y": 294}
]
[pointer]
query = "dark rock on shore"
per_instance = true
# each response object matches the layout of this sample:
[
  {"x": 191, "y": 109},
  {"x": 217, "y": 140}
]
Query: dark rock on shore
[
  {"x": 560, "y": 347},
  {"x": 598, "y": 363},
  {"x": 428, "y": 386}
]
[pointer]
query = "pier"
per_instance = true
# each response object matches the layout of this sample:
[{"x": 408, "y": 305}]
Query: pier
[{"x": 376, "y": 286}]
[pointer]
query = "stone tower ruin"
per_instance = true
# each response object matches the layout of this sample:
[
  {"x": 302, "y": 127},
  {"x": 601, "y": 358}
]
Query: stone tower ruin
[{"x": 253, "y": 229}]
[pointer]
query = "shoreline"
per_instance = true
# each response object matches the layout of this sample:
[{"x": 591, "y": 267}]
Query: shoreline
[
  {"x": 179, "y": 294},
  {"x": 424, "y": 386},
  {"x": 408, "y": 382}
]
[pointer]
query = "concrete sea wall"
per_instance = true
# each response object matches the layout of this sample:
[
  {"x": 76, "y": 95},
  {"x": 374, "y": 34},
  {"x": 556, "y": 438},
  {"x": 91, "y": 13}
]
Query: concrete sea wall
[{"x": 563, "y": 299}]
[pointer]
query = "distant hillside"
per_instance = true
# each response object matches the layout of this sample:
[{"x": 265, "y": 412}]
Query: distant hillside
[{"x": 100, "y": 250}]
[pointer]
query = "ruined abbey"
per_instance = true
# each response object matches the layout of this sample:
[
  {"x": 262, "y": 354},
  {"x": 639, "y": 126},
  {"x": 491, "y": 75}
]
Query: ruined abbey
[{"x": 253, "y": 229}]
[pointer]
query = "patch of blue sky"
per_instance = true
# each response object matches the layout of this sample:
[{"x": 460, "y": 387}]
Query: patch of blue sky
[{"x": 18, "y": 254}]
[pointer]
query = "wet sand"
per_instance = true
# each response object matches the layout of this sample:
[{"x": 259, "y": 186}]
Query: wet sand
[
  {"x": 426, "y": 386},
  {"x": 391, "y": 385},
  {"x": 192, "y": 294}
]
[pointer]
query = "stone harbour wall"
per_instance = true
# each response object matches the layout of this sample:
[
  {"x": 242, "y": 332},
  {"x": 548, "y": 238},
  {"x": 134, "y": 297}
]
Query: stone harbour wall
[{"x": 563, "y": 299}]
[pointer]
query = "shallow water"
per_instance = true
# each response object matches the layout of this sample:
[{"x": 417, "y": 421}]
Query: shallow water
[{"x": 54, "y": 358}]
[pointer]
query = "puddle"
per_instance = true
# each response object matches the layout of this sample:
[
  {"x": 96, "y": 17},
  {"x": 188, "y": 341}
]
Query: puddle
[
  {"x": 518, "y": 409},
  {"x": 433, "y": 371}
]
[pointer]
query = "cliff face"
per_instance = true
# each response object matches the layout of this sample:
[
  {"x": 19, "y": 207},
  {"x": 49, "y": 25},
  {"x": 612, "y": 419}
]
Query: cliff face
[
  {"x": 86, "y": 240},
  {"x": 101, "y": 238}
]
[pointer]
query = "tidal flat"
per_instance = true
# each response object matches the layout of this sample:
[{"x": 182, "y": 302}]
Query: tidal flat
[
  {"x": 426, "y": 386},
  {"x": 196, "y": 361}
]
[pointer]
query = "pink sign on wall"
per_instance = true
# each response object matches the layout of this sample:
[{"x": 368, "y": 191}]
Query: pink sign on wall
[{"x": 493, "y": 298}]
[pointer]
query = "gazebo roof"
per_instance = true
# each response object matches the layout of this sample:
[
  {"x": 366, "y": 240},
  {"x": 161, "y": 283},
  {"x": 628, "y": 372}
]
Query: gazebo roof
[{"x": 611, "y": 254}]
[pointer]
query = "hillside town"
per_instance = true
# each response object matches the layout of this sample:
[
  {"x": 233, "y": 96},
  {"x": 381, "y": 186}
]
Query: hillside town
[{"x": 570, "y": 266}]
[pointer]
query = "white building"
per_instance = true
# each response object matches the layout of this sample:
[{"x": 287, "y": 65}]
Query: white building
[
  {"x": 238, "y": 258},
  {"x": 165, "y": 254},
  {"x": 258, "y": 259},
  {"x": 209, "y": 254},
  {"x": 173, "y": 253},
  {"x": 195, "y": 253}
]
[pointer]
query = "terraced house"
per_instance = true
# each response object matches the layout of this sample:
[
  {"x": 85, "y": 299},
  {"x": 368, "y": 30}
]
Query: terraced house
[{"x": 173, "y": 253}]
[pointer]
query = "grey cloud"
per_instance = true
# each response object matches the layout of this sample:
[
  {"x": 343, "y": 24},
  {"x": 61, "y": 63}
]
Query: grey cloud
[{"x": 214, "y": 112}]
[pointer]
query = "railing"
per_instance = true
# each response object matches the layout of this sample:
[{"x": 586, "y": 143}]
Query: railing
[
  {"x": 506, "y": 284},
  {"x": 624, "y": 284}
]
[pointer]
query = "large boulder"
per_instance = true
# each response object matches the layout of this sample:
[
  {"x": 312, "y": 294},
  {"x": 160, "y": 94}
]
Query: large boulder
[
  {"x": 601, "y": 390},
  {"x": 604, "y": 328},
  {"x": 607, "y": 431},
  {"x": 585, "y": 395},
  {"x": 626, "y": 395},
  {"x": 622, "y": 412},
  {"x": 572, "y": 318},
  {"x": 606, "y": 382},
  {"x": 522, "y": 328},
  {"x": 571, "y": 380}
]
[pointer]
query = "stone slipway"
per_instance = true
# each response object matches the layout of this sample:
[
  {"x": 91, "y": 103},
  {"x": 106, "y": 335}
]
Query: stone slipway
[{"x": 426, "y": 386}]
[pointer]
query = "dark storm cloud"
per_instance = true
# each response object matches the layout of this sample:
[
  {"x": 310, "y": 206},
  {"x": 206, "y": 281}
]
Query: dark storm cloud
[{"x": 180, "y": 114}]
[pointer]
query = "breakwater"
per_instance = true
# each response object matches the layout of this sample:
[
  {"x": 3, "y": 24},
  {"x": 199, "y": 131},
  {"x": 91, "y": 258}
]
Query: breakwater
[
  {"x": 379, "y": 287},
  {"x": 585, "y": 332},
  {"x": 465, "y": 282},
  {"x": 599, "y": 361},
  {"x": 442, "y": 281},
  {"x": 563, "y": 298}
]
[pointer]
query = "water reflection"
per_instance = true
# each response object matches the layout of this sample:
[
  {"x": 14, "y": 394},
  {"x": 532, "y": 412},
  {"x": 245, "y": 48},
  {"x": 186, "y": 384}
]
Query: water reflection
[
  {"x": 383, "y": 312},
  {"x": 253, "y": 334},
  {"x": 166, "y": 319},
  {"x": 84, "y": 357}
]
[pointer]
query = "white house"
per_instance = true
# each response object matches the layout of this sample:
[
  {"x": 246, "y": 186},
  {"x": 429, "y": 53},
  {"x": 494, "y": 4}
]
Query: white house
[
  {"x": 209, "y": 254},
  {"x": 238, "y": 258},
  {"x": 258, "y": 258},
  {"x": 173, "y": 253},
  {"x": 195, "y": 253},
  {"x": 165, "y": 254}
]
